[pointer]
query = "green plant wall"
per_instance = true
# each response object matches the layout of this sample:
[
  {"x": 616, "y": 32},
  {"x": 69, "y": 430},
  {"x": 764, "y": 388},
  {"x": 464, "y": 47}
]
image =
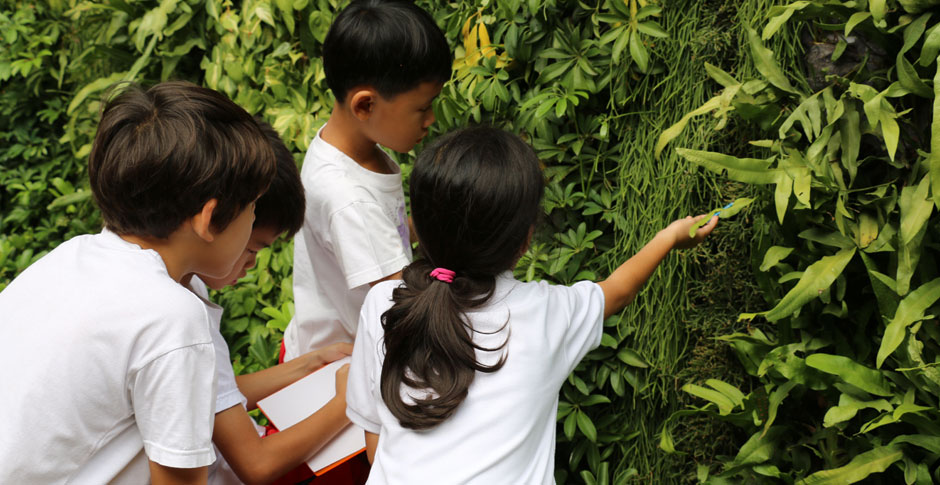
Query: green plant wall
[
  {"x": 590, "y": 85},
  {"x": 844, "y": 156}
]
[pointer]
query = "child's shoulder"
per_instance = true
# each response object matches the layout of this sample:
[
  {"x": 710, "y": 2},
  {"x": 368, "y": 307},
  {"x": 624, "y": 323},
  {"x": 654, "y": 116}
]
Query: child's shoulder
[{"x": 104, "y": 279}]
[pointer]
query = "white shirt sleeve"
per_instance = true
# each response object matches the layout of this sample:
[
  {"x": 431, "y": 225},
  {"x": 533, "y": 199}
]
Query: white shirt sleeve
[
  {"x": 367, "y": 244},
  {"x": 584, "y": 302},
  {"x": 227, "y": 392},
  {"x": 362, "y": 394},
  {"x": 174, "y": 403}
]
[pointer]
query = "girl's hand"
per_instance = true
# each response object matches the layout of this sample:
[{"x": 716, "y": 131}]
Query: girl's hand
[
  {"x": 320, "y": 357},
  {"x": 679, "y": 230}
]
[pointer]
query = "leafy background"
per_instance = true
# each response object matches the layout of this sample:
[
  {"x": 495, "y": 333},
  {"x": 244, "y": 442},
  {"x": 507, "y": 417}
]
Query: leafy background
[{"x": 821, "y": 111}]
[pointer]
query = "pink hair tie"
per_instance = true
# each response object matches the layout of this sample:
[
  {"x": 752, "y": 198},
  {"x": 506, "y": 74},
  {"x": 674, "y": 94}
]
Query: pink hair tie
[{"x": 443, "y": 274}]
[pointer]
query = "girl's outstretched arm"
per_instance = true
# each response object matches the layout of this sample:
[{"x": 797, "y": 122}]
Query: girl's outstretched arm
[{"x": 626, "y": 281}]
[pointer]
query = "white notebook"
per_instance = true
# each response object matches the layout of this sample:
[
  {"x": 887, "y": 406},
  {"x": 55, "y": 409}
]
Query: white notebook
[{"x": 295, "y": 402}]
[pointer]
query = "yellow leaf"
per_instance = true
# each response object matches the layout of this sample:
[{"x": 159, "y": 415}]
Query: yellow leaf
[
  {"x": 465, "y": 31},
  {"x": 484, "y": 35}
]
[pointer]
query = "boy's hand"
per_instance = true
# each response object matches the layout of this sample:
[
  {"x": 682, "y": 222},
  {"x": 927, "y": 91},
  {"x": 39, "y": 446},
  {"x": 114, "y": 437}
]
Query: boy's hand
[
  {"x": 341, "y": 375},
  {"x": 320, "y": 357},
  {"x": 679, "y": 230}
]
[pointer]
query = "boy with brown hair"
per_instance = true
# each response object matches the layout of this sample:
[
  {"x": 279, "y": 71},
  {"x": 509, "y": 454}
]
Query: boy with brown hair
[
  {"x": 245, "y": 456},
  {"x": 113, "y": 380}
]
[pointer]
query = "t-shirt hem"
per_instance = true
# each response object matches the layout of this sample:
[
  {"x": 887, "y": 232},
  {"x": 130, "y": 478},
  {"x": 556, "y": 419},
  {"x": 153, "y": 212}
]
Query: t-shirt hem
[
  {"x": 599, "y": 326},
  {"x": 362, "y": 421},
  {"x": 376, "y": 272},
  {"x": 227, "y": 400},
  {"x": 179, "y": 458}
]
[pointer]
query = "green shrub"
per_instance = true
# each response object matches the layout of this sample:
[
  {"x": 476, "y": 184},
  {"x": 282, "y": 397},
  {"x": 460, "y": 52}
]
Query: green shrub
[{"x": 845, "y": 356}]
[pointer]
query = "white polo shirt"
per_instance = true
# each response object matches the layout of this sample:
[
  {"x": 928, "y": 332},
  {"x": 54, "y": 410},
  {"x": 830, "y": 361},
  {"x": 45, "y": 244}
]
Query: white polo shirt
[{"x": 504, "y": 431}]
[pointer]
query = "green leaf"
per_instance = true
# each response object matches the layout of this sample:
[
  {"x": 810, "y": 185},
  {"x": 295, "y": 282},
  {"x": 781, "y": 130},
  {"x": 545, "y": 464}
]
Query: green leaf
[
  {"x": 68, "y": 199},
  {"x": 586, "y": 426},
  {"x": 878, "y": 9},
  {"x": 747, "y": 170},
  {"x": 927, "y": 442},
  {"x": 890, "y": 131},
  {"x": 782, "y": 194},
  {"x": 630, "y": 357},
  {"x": 652, "y": 28},
  {"x": 665, "y": 441},
  {"x": 759, "y": 448},
  {"x": 773, "y": 256},
  {"x": 774, "y": 24},
  {"x": 766, "y": 65},
  {"x": 773, "y": 402},
  {"x": 933, "y": 160},
  {"x": 571, "y": 423},
  {"x": 848, "y": 407},
  {"x": 910, "y": 310},
  {"x": 855, "y": 19},
  {"x": 639, "y": 53},
  {"x": 733, "y": 393},
  {"x": 915, "y": 209},
  {"x": 720, "y": 76},
  {"x": 883, "y": 286},
  {"x": 910, "y": 80},
  {"x": 864, "y": 378},
  {"x": 931, "y": 46},
  {"x": 861, "y": 466},
  {"x": 673, "y": 131},
  {"x": 816, "y": 278},
  {"x": 91, "y": 88},
  {"x": 724, "y": 403},
  {"x": 726, "y": 212}
]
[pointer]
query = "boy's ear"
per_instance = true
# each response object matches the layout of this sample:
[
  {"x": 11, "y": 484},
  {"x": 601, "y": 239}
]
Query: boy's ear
[
  {"x": 361, "y": 102},
  {"x": 202, "y": 221}
]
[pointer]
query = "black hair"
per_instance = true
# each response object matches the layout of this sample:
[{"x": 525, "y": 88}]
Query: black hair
[
  {"x": 281, "y": 207},
  {"x": 390, "y": 45},
  {"x": 475, "y": 196},
  {"x": 159, "y": 155}
]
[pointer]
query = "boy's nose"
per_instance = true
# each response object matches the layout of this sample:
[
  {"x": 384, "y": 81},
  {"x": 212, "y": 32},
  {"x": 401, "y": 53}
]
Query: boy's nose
[
  {"x": 250, "y": 263},
  {"x": 430, "y": 120}
]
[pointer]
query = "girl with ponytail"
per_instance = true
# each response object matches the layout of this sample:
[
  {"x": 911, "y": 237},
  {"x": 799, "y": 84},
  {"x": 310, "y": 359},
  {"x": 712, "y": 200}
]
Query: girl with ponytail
[{"x": 456, "y": 369}]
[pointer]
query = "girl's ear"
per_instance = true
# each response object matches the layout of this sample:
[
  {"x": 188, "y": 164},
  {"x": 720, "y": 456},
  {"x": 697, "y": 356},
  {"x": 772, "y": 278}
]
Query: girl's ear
[
  {"x": 202, "y": 221},
  {"x": 361, "y": 102}
]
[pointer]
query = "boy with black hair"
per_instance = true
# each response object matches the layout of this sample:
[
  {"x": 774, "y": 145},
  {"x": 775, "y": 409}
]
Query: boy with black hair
[
  {"x": 246, "y": 457},
  {"x": 112, "y": 378},
  {"x": 385, "y": 62}
]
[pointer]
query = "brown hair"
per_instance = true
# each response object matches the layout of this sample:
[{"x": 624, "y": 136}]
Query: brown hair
[
  {"x": 281, "y": 207},
  {"x": 159, "y": 155}
]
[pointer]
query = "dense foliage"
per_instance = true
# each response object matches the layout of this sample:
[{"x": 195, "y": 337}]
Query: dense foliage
[
  {"x": 845, "y": 357},
  {"x": 589, "y": 84}
]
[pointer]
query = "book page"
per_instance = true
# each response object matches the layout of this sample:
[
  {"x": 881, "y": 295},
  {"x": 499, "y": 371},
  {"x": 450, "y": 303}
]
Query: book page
[{"x": 299, "y": 400}]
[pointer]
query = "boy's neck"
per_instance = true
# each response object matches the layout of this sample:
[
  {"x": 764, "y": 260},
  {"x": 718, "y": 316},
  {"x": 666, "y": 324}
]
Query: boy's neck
[
  {"x": 343, "y": 132},
  {"x": 176, "y": 266}
]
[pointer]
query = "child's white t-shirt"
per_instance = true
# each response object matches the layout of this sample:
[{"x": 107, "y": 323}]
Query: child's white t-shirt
[
  {"x": 227, "y": 392},
  {"x": 355, "y": 232},
  {"x": 504, "y": 431},
  {"x": 108, "y": 362}
]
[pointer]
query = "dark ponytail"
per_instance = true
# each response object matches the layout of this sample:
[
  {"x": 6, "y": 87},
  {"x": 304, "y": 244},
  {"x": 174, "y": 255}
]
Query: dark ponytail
[{"x": 475, "y": 195}]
